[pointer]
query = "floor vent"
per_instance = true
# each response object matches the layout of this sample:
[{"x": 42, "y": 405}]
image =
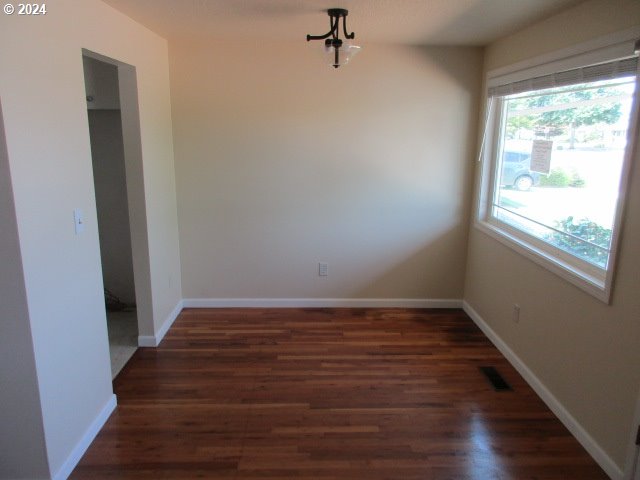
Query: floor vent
[{"x": 497, "y": 382}]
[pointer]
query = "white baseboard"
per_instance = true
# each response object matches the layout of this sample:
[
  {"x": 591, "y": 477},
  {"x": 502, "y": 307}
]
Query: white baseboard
[
  {"x": 590, "y": 445},
  {"x": 321, "y": 303},
  {"x": 81, "y": 447},
  {"x": 154, "y": 340},
  {"x": 147, "y": 341}
]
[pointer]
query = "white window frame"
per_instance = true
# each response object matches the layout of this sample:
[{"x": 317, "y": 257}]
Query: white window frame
[{"x": 593, "y": 280}]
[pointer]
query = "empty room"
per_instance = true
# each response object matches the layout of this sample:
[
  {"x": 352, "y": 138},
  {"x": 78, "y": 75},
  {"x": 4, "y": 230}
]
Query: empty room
[{"x": 283, "y": 239}]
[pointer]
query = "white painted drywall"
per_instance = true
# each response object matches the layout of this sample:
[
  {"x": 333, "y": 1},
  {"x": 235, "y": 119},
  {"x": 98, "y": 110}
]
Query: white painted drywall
[
  {"x": 101, "y": 84},
  {"x": 22, "y": 447},
  {"x": 138, "y": 214},
  {"x": 584, "y": 351},
  {"x": 47, "y": 135},
  {"x": 283, "y": 162},
  {"x": 107, "y": 156}
]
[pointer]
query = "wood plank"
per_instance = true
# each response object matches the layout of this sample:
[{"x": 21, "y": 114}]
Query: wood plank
[{"x": 328, "y": 394}]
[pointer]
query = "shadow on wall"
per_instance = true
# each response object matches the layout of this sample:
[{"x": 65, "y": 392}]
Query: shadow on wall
[
  {"x": 437, "y": 269},
  {"x": 465, "y": 27},
  {"x": 282, "y": 164},
  {"x": 463, "y": 65},
  {"x": 434, "y": 271}
]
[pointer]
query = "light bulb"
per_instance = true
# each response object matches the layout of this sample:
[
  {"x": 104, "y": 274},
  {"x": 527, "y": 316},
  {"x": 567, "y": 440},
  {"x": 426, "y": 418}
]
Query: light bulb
[{"x": 345, "y": 52}]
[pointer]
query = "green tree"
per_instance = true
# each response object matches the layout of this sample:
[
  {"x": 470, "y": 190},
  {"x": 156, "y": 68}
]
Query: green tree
[
  {"x": 554, "y": 122},
  {"x": 518, "y": 122}
]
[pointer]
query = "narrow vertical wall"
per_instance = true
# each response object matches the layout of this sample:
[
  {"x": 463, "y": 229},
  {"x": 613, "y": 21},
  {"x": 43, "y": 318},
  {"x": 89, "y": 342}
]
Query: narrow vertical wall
[
  {"x": 149, "y": 320},
  {"x": 107, "y": 156},
  {"x": 22, "y": 446}
]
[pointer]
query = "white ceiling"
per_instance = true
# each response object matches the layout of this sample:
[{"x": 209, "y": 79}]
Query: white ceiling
[{"x": 428, "y": 22}]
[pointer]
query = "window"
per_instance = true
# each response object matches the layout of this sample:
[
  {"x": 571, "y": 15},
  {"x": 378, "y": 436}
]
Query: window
[{"x": 558, "y": 149}]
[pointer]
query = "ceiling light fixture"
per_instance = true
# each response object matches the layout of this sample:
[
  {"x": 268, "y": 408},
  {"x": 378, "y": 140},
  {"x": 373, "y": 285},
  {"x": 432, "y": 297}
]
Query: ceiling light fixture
[{"x": 339, "y": 52}]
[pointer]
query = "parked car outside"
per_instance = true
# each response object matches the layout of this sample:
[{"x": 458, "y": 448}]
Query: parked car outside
[{"x": 515, "y": 171}]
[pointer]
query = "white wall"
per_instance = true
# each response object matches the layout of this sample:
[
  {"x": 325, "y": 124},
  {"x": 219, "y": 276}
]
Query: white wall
[
  {"x": 101, "y": 84},
  {"x": 586, "y": 353},
  {"x": 22, "y": 448},
  {"x": 107, "y": 158},
  {"x": 45, "y": 119},
  {"x": 282, "y": 162}
]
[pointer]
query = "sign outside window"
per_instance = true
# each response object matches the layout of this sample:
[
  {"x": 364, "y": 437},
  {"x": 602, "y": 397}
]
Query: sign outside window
[{"x": 541, "y": 156}]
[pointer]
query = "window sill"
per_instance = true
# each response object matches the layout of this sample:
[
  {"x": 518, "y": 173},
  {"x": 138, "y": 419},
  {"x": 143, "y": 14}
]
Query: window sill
[{"x": 595, "y": 287}]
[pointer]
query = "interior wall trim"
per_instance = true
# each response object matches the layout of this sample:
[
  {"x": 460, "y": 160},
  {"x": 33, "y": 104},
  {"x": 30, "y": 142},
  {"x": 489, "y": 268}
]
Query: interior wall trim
[
  {"x": 88, "y": 437},
  {"x": 577, "y": 430},
  {"x": 322, "y": 303},
  {"x": 154, "y": 340}
]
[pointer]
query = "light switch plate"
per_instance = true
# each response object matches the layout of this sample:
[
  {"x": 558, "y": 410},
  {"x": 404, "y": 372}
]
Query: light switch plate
[{"x": 78, "y": 219}]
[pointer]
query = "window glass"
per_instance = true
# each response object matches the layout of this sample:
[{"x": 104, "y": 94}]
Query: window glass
[{"x": 558, "y": 165}]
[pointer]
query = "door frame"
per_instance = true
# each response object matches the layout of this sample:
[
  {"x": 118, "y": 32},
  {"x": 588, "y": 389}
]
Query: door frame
[{"x": 134, "y": 175}]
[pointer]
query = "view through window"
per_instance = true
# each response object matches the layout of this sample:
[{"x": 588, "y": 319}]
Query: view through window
[{"x": 559, "y": 162}]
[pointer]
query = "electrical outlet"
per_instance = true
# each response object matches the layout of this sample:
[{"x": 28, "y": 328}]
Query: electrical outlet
[
  {"x": 323, "y": 269},
  {"x": 516, "y": 313}
]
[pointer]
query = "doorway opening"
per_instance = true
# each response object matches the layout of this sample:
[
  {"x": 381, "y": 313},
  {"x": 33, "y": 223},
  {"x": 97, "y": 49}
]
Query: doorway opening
[{"x": 114, "y": 207}]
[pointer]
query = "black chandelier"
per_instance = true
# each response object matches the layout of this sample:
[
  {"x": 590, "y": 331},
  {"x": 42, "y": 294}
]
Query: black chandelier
[{"x": 338, "y": 51}]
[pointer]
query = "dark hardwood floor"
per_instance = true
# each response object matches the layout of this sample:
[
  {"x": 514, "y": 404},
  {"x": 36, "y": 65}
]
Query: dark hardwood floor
[{"x": 328, "y": 394}]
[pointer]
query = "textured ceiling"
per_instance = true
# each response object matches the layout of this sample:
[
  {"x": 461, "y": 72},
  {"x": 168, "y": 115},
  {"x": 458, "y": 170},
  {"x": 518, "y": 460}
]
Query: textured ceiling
[{"x": 429, "y": 22}]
